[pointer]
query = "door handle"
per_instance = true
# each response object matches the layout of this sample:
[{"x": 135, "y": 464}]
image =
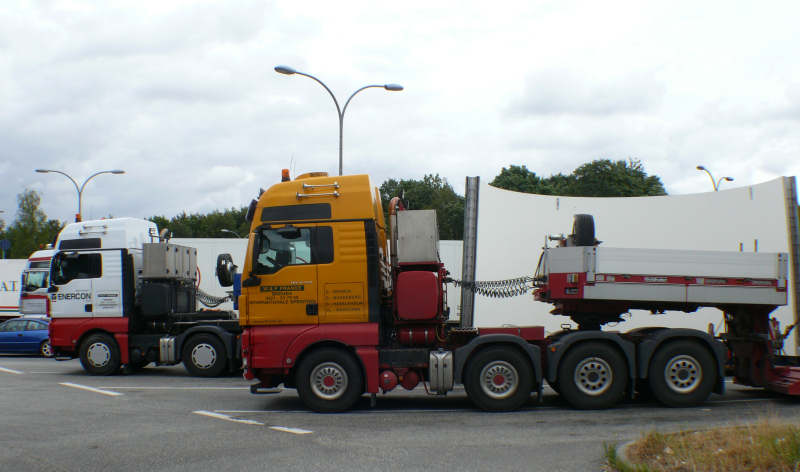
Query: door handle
[
  {"x": 87, "y": 308},
  {"x": 312, "y": 309}
]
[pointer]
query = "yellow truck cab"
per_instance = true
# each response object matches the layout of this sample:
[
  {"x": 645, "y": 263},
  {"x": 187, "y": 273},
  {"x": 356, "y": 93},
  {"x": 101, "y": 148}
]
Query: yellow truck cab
[{"x": 294, "y": 273}]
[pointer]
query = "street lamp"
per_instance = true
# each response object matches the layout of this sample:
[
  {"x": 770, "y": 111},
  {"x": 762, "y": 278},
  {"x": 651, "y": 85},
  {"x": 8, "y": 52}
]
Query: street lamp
[
  {"x": 231, "y": 232},
  {"x": 715, "y": 183},
  {"x": 80, "y": 189},
  {"x": 286, "y": 70}
]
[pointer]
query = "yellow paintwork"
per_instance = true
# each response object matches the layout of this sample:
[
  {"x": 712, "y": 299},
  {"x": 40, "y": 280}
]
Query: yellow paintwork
[{"x": 340, "y": 287}]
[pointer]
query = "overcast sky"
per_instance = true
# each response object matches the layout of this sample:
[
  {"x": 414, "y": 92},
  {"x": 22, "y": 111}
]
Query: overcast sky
[{"x": 184, "y": 98}]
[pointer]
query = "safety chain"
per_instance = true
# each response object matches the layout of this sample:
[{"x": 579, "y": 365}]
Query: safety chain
[
  {"x": 209, "y": 300},
  {"x": 497, "y": 288}
]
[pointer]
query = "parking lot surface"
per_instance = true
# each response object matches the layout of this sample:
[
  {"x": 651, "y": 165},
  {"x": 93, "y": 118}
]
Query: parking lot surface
[{"x": 56, "y": 418}]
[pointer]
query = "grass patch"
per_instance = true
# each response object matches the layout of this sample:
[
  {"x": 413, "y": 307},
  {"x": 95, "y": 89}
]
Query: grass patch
[{"x": 764, "y": 446}]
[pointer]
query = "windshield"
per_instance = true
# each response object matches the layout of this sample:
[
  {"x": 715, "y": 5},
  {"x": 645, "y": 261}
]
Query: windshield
[{"x": 33, "y": 280}]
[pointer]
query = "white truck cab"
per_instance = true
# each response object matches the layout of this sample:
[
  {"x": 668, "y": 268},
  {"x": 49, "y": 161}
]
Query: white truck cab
[
  {"x": 88, "y": 269},
  {"x": 35, "y": 281}
]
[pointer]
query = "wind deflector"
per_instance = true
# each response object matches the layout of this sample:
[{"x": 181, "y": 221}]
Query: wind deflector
[{"x": 87, "y": 243}]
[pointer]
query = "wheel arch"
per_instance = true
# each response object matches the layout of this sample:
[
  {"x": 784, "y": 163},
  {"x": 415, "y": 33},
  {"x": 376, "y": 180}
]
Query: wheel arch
[
  {"x": 463, "y": 354},
  {"x": 291, "y": 379},
  {"x": 567, "y": 342},
  {"x": 229, "y": 340},
  {"x": 657, "y": 339}
]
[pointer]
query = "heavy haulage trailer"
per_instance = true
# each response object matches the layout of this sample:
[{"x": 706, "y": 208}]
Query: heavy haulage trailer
[
  {"x": 327, "y": 308},
  {"x": 120, "y": 295}
]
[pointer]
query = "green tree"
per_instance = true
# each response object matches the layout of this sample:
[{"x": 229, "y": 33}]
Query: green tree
[
  {"x": 432, "y": 192},
  {"x": 599, "y": 178},
  {"x": 208, "y": 225},
  {"x": 31, "y": 230}
]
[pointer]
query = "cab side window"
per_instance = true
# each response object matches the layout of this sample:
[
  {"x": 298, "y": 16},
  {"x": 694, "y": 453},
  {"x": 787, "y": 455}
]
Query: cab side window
[
  {"x": 281, "y": 247},
  {"x": 68, "y": 267}
]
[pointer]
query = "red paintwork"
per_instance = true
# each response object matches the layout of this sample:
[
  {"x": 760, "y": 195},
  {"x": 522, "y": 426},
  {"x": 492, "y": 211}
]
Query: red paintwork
[
  {"x": 275, "y": 349},
  {"x": 528, "y": 333},
  {"x": 417, "y": 295},
  {"x": 785, "y": 380},
  {"x": 416, "y": 335},
  {"x": 557, "y": 286},
  {"x": 388, "y": 380},
  {"x": 65, "y": 333}
]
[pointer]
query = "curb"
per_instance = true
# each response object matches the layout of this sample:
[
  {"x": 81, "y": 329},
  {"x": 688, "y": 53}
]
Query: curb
[{"x": 622, "y": 453}]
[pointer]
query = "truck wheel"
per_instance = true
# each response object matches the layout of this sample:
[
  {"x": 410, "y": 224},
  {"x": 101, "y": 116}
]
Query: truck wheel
[
  {"x": 204, "y": 356},
  {"x": 498, "y": 379},
  {"x": 329, "y": 380},
  {"x": 682, "y": 373},
  {"x": 45, "y": 349},
  {"x": 100, "y": 355},
  {"x": 592, "y": 376}
]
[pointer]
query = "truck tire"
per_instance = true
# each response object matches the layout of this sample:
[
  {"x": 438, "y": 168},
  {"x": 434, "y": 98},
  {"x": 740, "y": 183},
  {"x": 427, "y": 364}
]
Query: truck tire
[
  {"x": 583, "y": 230},
  {"x": 204, "y": 355},
  {"x": 45, "y": 349},
  {"x": 498, "y": 379},
  {"x": 592, "y": 376},
  {"x": 682, "y": 373},
  {"x": 329, "y": 380},
  {"x": 100, "y": 355}
]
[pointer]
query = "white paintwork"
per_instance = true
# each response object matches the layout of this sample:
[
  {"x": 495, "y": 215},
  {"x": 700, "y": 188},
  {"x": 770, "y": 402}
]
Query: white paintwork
[
  {"x": 10, "y": 270},
  {"x": 129, "y": 233},
  {"x": 512, "y": 228}
]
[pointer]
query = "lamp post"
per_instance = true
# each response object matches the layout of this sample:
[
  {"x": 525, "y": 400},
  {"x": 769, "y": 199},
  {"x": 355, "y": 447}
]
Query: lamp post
[
  {"x": 286, "y": 70},
  {"x": 77, "y": 188},
  {"x": 231, "y": 232},
  {"x": 715, "y": 183}
]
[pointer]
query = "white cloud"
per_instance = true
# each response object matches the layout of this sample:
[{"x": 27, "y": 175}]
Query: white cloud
[{"x": 182, "y": 95}]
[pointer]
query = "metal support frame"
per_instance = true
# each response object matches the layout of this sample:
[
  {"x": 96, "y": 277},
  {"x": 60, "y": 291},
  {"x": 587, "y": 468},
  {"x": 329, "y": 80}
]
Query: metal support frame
[
  {"x": 469, "y": 254},
  {"x": 790, "y": 193}
]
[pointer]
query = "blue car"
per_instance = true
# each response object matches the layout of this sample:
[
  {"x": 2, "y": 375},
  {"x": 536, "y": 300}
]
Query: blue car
[{"x": 25, "y": 335}]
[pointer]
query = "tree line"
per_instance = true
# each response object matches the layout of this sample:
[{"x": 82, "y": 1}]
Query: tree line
[{"x": 32, "y": 230}]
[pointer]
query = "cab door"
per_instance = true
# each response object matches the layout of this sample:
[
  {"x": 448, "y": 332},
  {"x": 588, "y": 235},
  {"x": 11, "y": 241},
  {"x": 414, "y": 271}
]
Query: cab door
[
  {"x": 281, "y": 288},
  {"x": 70, "y": 291}
]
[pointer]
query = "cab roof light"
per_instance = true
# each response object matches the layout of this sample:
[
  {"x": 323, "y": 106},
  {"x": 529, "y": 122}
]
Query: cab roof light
[{"x": 285, "y": 175}]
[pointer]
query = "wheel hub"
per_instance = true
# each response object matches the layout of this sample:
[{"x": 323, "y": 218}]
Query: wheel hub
[
  {"x": 593, "y": 376},
  {"x": 98, "y": 354},
  {"x": 683, "y": 374},
  {"x": 204, "y": 356},
  {"x": 329, "y": 380},
  {"x": 499, "y": 380}
]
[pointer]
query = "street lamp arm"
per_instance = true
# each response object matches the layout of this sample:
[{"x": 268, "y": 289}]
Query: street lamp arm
[
  {"x": 78, "y": 189},
  {"x": 354, "y": 94},
  {"x": 335, "y": 102},
  {"x": 713, "y": 182},
  {"x": 90, "y": 178}
]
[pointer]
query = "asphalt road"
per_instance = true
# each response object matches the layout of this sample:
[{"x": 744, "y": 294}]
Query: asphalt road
[{"x": 53, "y": 417}]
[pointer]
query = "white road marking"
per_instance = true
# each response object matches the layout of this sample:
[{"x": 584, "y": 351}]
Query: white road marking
[
  {"x": 90, "y": 389},
  {"x": 10, "y": 371},
  {"x": 176, "y": 388},
  {"x": 220, "y": 416},
  {"x": 290, "y": 430},
  {"x": 44, "y": 372}
]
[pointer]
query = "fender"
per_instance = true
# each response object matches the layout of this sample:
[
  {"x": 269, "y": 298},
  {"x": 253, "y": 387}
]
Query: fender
[
  {"x": 463, "y": 353},
  {"x": 653, "y": 341},
  {"x": 556, "y": 350},
  {"x": 359, "y": 338}
]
